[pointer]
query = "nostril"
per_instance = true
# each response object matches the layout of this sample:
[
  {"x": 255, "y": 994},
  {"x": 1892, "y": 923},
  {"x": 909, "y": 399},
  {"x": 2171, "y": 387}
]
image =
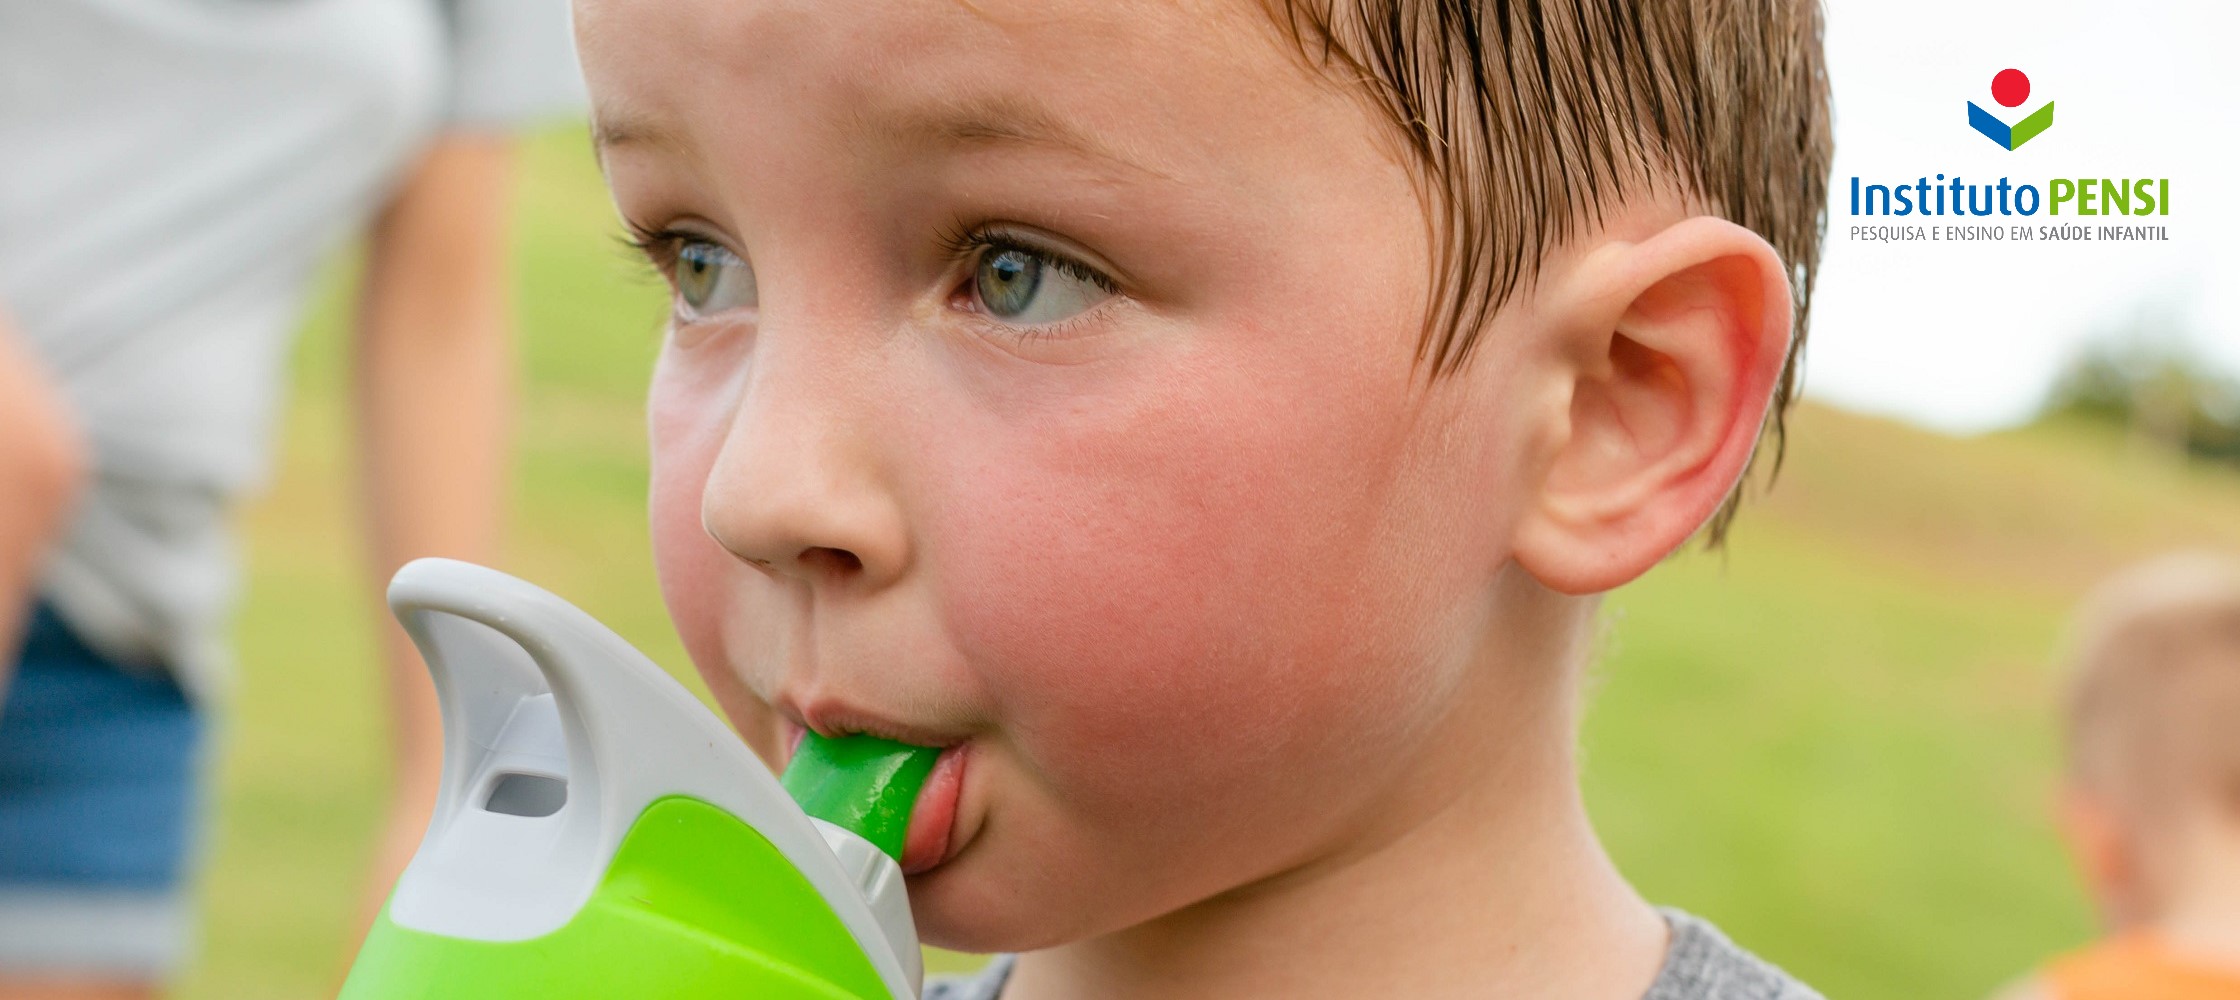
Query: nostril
[{"x": 838, "y": 561}]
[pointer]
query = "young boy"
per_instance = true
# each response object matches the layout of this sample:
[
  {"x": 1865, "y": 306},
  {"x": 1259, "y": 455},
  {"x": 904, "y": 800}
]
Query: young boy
[
  {"x": 2152, "y": 809},
  {"x": 1211, "y": 424}
]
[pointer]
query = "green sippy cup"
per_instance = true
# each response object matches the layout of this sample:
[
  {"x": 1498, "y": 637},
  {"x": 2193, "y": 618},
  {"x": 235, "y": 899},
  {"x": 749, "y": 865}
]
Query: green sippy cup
[{"x": 601, "y": 834}]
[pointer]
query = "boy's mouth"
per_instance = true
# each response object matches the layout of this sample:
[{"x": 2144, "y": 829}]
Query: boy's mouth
[{"x": 929, "y": 840}]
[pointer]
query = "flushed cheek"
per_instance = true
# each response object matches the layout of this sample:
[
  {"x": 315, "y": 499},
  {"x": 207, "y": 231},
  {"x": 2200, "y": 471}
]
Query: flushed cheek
[
  {"x": 1215, "y": 631},
  {"x": 1166, "y": 606}
]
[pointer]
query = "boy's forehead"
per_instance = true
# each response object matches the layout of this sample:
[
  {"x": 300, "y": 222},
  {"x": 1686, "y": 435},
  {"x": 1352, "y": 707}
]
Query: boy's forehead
[
  {"x": 939, "y": 120},
  {"x": 765, "y": 30},
  {"x": 918, "y": 72}
]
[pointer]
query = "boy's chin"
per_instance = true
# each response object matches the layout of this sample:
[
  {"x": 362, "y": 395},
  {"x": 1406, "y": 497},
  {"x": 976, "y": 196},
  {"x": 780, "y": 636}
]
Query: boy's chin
[
  {"x": 989, "y": 903},
  {"x": 962, "y": 910},
  {"x": 969, "y": 906}
]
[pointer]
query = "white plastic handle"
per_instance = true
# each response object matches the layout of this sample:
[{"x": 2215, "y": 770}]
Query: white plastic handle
[{"x": 557, "y": 734}]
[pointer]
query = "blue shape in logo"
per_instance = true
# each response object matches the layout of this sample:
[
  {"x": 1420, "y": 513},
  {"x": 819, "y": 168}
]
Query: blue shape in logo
[{"x": 1996, "y": 130}]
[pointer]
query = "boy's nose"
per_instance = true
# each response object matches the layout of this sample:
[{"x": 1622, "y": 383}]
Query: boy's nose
[{"x": 797, "y": 490}]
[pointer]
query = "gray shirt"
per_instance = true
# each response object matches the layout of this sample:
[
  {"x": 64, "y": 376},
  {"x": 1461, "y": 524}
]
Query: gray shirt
[
  {"x": 172, "y": 174},
  {"x": 1700, "y": 964}
]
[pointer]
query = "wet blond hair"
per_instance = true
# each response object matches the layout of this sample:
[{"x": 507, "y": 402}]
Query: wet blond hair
[{"x": 1527, "y": 119}]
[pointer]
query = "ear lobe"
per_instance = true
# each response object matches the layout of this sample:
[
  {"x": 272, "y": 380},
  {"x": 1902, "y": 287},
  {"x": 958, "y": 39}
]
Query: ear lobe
[
  {"x": 2103, "y": 856},
  {"x": 1672, "y": 348}
]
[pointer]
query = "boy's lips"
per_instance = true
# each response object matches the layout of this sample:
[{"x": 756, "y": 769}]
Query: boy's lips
[{"x": 930, "y": 839}]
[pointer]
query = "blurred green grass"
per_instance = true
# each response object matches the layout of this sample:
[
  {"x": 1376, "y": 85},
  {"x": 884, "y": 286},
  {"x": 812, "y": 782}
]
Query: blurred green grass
[{"x": 1833, "y": 739}]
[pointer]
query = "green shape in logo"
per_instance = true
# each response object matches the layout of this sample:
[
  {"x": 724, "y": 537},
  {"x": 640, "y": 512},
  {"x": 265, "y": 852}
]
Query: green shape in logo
[{"x": 2028, "y": 128}]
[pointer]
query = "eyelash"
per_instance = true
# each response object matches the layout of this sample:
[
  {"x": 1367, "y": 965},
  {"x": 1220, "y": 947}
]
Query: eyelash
[
  {"x": 963, "y": 244},
  {"x": 656, "y": 247}
]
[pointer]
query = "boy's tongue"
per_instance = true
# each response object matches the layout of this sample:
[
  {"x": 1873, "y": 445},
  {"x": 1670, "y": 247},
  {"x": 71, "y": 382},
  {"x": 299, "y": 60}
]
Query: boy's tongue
[{"x": 870, "y": 787}]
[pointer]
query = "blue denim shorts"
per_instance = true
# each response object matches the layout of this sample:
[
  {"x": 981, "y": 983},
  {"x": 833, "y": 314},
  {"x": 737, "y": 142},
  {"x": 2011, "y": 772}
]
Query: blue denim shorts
[{"x": 100, "y": 775}]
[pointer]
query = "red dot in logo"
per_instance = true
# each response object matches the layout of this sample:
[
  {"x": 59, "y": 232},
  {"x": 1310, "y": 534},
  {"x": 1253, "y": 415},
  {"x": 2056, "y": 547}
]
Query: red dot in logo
[{"x": 2010, "y": 87}]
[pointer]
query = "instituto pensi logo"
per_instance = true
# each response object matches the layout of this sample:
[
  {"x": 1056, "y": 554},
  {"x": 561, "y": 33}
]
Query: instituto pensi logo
[
  {"x": 1895, "y": 208},
  {"x": 2010, "y": 88}
]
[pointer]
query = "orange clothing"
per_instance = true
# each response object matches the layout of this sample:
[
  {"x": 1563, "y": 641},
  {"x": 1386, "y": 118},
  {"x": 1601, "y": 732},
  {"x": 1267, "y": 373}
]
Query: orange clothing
[{"x": 2138, "y": 967}]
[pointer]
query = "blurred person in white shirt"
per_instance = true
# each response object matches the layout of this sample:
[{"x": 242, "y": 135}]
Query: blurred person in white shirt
[{"x": 177, "y": 171}]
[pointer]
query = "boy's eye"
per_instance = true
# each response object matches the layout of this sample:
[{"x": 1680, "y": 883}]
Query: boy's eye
[
  {"x": 711, "y": 280},
  {"x": 1026, "y": 287}
]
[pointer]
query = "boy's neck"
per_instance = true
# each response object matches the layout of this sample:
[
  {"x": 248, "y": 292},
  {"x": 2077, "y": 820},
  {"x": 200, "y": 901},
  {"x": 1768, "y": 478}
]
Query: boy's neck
[
  {"x": 1483, "y": 877},
  {"x": 2200, "y": 915}
]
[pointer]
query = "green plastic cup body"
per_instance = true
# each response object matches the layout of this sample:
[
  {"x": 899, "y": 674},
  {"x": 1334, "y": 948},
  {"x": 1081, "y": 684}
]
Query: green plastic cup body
[{"x": 696, "y": 904}]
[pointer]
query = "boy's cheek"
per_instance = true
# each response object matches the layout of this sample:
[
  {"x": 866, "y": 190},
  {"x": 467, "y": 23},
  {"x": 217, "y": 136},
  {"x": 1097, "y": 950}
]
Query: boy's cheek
[
  {"x": 1191, "y": 700},
  {"x": 1166, "y": 605},
  {"x": 1132, "y": 665},
  {"x": 688, "y": 564},
  {"x": 685, "y": 435}
]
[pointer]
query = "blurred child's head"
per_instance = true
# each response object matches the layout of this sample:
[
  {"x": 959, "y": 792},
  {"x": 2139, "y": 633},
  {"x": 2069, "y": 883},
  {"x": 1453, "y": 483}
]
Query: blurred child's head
[
  {"x": 1214, "y": 419},
  {"x": 2153, "y": 808}
]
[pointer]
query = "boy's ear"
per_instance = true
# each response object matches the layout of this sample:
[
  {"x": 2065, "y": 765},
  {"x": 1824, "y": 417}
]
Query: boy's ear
[
  {"x": 2106, "y": 859},
  {"x": 1671, "y": 346}
]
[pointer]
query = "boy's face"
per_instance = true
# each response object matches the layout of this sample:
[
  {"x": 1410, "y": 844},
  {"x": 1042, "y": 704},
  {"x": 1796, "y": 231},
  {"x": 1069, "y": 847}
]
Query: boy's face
[{"x": 1043, "y": 386}]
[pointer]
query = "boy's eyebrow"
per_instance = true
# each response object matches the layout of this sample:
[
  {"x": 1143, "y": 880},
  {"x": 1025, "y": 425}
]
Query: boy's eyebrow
[
  {"x": 612, "y": 127},
  {"x": 989, "y": 120}
]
